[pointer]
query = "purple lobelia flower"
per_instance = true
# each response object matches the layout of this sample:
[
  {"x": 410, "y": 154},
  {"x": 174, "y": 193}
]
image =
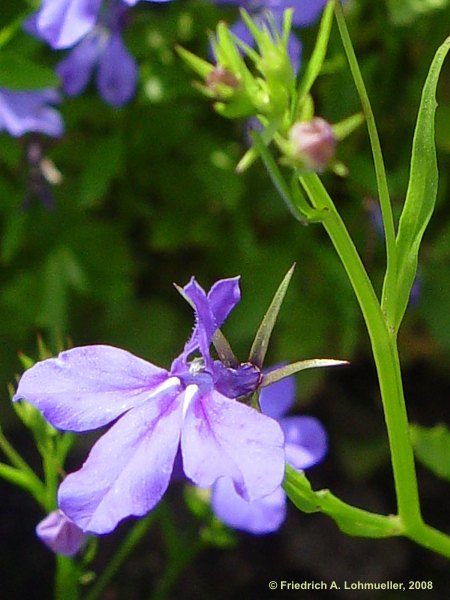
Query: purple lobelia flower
[
  {"x": 60, "y": 534},
  {"x": 30, "y": 111},
  {"x": 305, "y": 446},
  {"x": 102, "y": 49},
  {"x": 62, "y": 23},
  {"x": 305, "y": 14},
  {"x": 153, "y": 412}
]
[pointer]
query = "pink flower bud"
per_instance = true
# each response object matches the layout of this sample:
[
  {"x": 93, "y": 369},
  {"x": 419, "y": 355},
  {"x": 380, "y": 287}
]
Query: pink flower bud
[
  {"x": 313, "y": 143},
  {"x": 221, "y": 77}
]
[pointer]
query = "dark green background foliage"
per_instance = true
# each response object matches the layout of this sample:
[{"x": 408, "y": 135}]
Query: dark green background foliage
[{"x": 149, "y": 197}]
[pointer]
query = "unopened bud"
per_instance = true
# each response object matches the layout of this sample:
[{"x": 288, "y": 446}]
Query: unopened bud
[
  {"x": 219, "y": 78},
  {"x": 60, "y": 534},
  {"x": 312, "y": 143}
]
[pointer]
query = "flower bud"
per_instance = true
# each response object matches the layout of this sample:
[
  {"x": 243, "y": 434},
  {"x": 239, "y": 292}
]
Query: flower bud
[
  {"x": 60, "y": 534},
  {"x": 221, "y": 81},
  {"x": 312, "y": 143}
]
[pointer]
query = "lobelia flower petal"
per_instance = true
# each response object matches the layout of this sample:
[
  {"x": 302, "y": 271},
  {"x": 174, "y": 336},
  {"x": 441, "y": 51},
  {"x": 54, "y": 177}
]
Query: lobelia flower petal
[
  {"x": 87, "y": 387},
  {"x": 306, "y": 441},
  {"x": 63, "y": 22},
  {"x": 128, "y": 469},
  {"x": 224, "y": 438},
  {"x": 210, "y": 312},
  {"x": 117, "y": 72},
  {"x": 276, "y": 399},
  {"x": 23, "y": 112},
  {"x": 76, "y": 69},
  {"x": 260, "y": 516}
]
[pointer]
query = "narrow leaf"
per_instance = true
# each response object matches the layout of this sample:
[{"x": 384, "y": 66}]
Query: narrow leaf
[
  {"x": 422, "y": 187},
  {"x": 262, "y": 337},
  {"x": 315, "y": 64},
  {"x": 301, "y": 365}
]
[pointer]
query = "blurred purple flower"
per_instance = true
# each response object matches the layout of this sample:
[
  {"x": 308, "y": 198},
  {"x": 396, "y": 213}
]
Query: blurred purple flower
[
  {"x": 305, "y": 446},
  {"x": 153, "y": 412},
  {"x": 62, "y": 23},
  {"x": 30, "y": 111},
  {"x": 304, "y": 15},
  {"x": 60, "y": 534},
  {"x": 102, "y": 49}
]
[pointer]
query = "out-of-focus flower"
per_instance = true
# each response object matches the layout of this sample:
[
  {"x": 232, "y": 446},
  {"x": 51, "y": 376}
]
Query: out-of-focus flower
[
  {"x": 305, "y": 446},
  {"x": 154, "y": 412},
  {"x": 60, "y": 534},
  {"x": 30, "y": 111},
  {"x": 102, "y": 49},
  {"x": 62, "y": 23},
  {"x": 305, "y": 14}
]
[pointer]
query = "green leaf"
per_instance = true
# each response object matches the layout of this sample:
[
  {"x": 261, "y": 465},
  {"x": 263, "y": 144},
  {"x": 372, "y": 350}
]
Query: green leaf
[
  {"x": 432, "y": 448},
  {"x": 422, "y": 187},
  {"x": 315, "y": 64},
  {"x": 350, "y": 520},
  {"x": 19, "y": 73},
  {"x": 262, "y": 337},
  {"x": 300, "y": 365}
]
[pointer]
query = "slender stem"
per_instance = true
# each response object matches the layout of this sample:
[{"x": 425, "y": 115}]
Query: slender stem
[
  {"x": 36, "y": 487},
  {"x": 389, "y": 287},
  {"x": 130, "y": 542},
  {"x": 385, "y": 355}
]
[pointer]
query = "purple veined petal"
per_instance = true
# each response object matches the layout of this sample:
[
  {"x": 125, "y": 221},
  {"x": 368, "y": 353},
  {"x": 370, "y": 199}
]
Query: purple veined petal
[
  {"x": 223, "y": 296},
  {"x": 87, "y": 387},
  {"x": 210, "y": 311},
  {"x": 128, "y": 469},
  {"x": 60, "y": 534},
  {"x": 307, "y": 12},
  {"x": 117, "y": 72},
  {"x": 306, "y": 441},
  {"x": 76, "y": 69},
  {"x": 23, "y": 112},
  {"x": 258, "y": 517},
  {"x": 224, "y": 438},
  {"x": 276, "y": 399},
  {"x": 62, "y": 23}
]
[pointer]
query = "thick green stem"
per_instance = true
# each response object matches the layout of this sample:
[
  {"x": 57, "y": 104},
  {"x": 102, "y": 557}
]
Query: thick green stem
[
  {"x": 385, "y": 354},
  {"x": 66, "y": 579}
]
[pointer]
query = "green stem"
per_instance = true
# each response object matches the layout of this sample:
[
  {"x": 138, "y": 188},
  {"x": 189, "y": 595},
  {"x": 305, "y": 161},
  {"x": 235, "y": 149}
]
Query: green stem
[
  {"x": 66, "y": 579},
  {"x": 385, "y": 355},
  {"x": 125, "y": 549},
  {"x": 35, "y": 485},
  {"x": 389, "y": 287}
]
